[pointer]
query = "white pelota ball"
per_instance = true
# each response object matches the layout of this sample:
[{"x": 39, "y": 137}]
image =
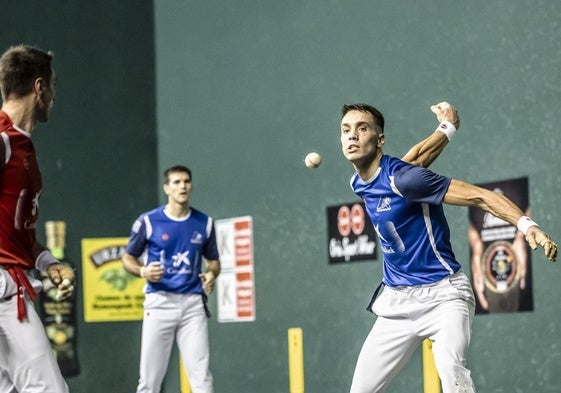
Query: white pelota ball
[{"x": 312, "y": 160}]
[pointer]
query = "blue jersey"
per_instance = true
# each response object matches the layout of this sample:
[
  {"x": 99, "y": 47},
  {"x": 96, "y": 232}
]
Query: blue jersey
[
  {"x": 404, "y": 203},
  {"x": 178, "y": 243}
]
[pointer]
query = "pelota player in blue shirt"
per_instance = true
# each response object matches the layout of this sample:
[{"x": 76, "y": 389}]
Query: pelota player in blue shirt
[
  {"x": 176, "y": 238},
  {"x": 426, "y": 294}
]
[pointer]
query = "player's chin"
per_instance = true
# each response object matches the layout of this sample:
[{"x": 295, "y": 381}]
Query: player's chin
[
  {"x": 355, "y": 157},
  {"x": 350, "y": 155}
]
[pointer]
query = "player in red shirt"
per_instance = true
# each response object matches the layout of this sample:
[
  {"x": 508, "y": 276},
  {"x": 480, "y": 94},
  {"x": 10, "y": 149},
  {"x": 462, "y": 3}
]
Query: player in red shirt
[{"x": 27, "y": 364}]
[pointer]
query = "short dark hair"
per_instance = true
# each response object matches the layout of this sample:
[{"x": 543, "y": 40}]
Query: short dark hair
[
  {"x": 20, "y": 66},
  {"x": 176, "y": 169},
  {"x": 376, "y": 114}
]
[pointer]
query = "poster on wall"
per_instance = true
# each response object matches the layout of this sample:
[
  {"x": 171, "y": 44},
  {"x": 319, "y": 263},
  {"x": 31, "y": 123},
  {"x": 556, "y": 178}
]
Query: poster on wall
[
  {"x": 235, "y": 287},
  {"x": 501, "y": 261},
  {"x": 110, "y": 293},
  {"x": 351, "y": 236}
]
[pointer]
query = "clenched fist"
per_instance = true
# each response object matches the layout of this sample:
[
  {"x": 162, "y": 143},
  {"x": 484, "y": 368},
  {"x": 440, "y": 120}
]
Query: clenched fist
[{"x": 446, "y": 112}]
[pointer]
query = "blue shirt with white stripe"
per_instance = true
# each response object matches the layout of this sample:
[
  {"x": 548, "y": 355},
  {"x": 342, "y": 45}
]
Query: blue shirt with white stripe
[
  {"x": 404, "y": 203},
  {"x": 178, "y": 243}
]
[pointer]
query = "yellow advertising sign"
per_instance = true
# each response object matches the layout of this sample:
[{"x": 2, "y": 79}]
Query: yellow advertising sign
[
  {"x": 183, "y": 378},
  {"x": 110, "y": 293}
]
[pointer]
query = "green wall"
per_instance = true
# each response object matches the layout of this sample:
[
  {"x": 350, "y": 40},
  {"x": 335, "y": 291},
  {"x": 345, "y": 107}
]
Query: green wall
[
  {"x": 240, "y": 92},
  {"x": 245, "y": 89}
]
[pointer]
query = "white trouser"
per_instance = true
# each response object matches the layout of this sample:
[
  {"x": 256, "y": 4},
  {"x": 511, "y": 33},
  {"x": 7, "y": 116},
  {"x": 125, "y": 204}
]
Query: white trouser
[
  {"x": 6, "y": 384},
  {"x": 26, "y": 358},
  {"x": 442, "y": 312},
  {"x": 169, "y": 316}
]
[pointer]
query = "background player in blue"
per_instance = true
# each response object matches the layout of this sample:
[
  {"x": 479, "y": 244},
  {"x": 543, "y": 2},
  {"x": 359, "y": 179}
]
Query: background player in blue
[
  {"x": 176, "y": 240},
  {"x": 426, "y": 295}
]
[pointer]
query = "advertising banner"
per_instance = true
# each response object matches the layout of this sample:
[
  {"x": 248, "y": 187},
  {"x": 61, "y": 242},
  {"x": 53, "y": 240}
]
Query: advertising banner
[
  {"x": 501, "y": 262},
  {"x": 110, "y": 293},
  {"x": 236, "y": 282},
  {"x": 351, "y": 236}
]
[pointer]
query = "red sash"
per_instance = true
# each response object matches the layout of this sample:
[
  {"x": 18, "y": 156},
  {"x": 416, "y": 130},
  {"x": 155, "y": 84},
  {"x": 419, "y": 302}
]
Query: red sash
[{"x": 22, "y": 282}]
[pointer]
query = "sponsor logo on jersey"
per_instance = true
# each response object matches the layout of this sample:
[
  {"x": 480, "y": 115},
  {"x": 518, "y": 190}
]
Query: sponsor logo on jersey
[
  {"x": 136, "y": 226},
  {"x": 181, "y": 257},
  {"x": 197, "y": 238},
  {"x": 181, "y": 263},
  {"x": 384, "y": 204}
]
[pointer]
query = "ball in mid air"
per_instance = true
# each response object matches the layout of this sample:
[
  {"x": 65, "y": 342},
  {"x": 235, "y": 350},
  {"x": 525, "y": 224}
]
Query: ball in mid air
[{"x": 312, "y": 160}]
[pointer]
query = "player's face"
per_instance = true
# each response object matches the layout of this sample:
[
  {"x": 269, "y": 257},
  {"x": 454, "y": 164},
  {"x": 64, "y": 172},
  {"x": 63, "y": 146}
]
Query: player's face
[
  {"x": 359, "y": 139},
  {"x": 178, "y": 188}
]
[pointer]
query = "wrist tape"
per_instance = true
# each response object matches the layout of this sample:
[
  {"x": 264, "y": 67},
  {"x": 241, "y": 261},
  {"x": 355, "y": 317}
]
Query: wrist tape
[
  {"x": 447, "y": 128},
  {"x": 524, "y": 223},
  {"x": 44, "y": 260}
]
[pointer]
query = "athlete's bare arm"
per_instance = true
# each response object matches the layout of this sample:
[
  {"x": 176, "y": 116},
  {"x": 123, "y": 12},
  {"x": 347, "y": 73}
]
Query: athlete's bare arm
[
  {"x": 131, "y": 264},
  {"x": 37, "y": 249},
  {"x": 425, "y": 152},
  {"x": 464, "y": 194},
  {"x": 213, "y": 265},
  {"x": 152, "y": 272},
  {"x": 210, "y": 275}
]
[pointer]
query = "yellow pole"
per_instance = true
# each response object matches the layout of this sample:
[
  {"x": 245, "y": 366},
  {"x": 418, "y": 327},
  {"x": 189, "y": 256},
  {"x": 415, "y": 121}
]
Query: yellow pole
[
  {"x": 295, "y": 360},
  {"x": 183, "y": 378},
  {"x": 431, "y": 380}
]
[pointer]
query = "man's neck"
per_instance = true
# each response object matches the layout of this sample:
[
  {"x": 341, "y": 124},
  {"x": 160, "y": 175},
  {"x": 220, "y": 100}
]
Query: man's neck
[
  {"x": 21, "y": 113},
  {"x": 367, "y": 167},
  {"x": 177, "y": 210}
]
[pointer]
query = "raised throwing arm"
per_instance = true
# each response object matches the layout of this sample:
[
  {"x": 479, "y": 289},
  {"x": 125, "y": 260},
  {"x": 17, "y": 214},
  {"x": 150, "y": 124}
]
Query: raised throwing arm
[{"x": 425, "y": 152}]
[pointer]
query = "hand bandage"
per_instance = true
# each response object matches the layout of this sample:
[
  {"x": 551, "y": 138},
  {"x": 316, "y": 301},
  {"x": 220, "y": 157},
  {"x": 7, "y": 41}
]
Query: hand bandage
[{"x": 67, "y": 286}]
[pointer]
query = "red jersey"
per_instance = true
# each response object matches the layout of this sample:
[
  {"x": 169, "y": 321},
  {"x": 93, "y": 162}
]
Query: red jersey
[{"x": 20, "y": 188}]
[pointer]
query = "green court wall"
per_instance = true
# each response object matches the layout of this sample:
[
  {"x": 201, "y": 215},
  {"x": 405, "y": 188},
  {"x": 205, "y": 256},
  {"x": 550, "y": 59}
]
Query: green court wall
[
  {"x": 240, "y": 92},
  {"x": 245, "y": 89}
]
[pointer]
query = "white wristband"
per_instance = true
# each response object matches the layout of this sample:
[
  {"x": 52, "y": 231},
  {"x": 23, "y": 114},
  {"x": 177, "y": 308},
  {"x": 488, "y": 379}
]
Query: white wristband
[
  {"x": 447, "y": 128},
  {"x": 44, "y": 260},
  {"x": 142, "y": 271},
  {"x": 524, "y": 223}
]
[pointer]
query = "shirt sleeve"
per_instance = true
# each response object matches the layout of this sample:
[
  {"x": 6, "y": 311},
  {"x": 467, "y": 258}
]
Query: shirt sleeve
[
  {"x": 210, "y": 251},
  {"x": 4, "y": 147},
  {"x": 419, "y": 185},
  {"x": 137, "y": 239}
]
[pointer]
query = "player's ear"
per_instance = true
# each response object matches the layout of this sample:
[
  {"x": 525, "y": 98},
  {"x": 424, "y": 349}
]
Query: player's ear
[
  {"x": 38, "y": 85},
  {"x": 381, "y": 139}
]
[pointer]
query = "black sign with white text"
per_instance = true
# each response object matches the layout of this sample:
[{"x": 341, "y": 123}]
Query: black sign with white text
[{"x": 351, "y": 236}]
